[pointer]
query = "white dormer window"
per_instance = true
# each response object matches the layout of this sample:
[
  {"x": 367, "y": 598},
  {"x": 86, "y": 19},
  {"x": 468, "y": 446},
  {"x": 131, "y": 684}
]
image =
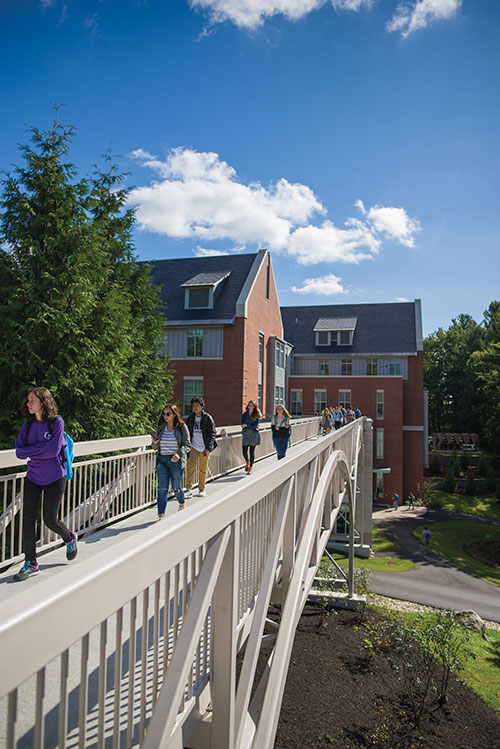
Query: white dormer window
[
  {"x": 344, "y": 337},
  {"x": 335, "y": 331},
  {"x": 201, "y": 291},
  {"x": 323, "y": 338}
]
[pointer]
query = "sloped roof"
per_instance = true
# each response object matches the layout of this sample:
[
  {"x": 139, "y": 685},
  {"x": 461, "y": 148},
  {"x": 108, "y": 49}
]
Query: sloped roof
[
  {"x": 207, "y": 279},
  {"x": 336, "y": 323},
  {"x": 387, "y": 328},
  {"x": 172, "y": 275}
]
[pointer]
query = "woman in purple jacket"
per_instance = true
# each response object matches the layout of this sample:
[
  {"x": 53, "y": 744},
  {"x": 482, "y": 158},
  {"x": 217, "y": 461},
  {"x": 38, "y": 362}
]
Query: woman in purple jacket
[{"x": 41, "y": 446}]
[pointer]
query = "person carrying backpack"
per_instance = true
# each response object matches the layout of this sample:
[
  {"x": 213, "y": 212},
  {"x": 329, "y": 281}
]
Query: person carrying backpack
[{"x": 41, "y": 442}]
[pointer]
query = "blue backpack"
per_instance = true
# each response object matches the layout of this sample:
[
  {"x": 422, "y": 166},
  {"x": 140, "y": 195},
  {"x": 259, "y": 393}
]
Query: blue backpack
[{"x": 67, "y": 453}]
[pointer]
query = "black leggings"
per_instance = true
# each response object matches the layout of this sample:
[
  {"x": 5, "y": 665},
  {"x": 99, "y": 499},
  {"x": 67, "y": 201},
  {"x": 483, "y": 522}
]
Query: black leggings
[
  {"x": 252, "y": 453},
  {"x": 52, "y": 495}
]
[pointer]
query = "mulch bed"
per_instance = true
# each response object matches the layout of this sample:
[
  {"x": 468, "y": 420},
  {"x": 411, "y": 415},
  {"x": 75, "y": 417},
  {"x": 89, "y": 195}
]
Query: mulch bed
[
  {"x": 335, "y": 696},
  {"x": 487, "y": 552}
]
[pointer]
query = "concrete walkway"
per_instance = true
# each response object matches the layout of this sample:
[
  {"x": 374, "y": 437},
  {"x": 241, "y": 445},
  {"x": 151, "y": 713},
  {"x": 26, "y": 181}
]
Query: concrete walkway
[{"x": 434, "y": 581}]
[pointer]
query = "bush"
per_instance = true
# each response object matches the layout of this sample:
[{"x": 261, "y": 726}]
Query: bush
[
  {"x": 464, "y": 462},
  {"x": 450, "y": 481},
  {"x": 470, "y": 485},
  {"x": 454, "y": 464},
  {"x": 490, "y": 483},
  {"x": 495, "y": 462},
  {"x": 435, "y": 465},
  {"x": 482, "y": 466},
  {"x": 497, "y": 493}
]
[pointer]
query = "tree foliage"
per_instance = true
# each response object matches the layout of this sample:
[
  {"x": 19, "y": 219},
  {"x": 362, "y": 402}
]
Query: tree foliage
[{"x": 78, "y": 314}]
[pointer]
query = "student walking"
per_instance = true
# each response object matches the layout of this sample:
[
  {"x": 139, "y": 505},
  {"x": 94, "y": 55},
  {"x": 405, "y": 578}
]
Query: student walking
[
  {"x": 280, "y": 427},
  {"x": 326, "y": 422},
  {"x": 171, "y": 439},
  {"x": 42, "y": 444},
  {"x": 201, "y": 428},
  {"x": 395, "y": 500},
  {"x": 250, "y": 421},
  {"x": 411, "y": 501},
  {"x": 426, "y": 539}
]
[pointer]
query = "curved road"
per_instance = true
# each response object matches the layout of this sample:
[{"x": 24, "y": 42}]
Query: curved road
[{"x": 434, "y": 581}]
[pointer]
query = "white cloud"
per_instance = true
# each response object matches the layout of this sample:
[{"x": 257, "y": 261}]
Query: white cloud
[
  {"x": 418, "y": 15},
  {"x": 250, "y": 14},
  {"x": 203, "y": 252},
  {"x": 393, "y": 222},
  {"x": 401, "y": 299},
  {"x": 324, "y": 285},
  {"x": 199, "y": 196}
]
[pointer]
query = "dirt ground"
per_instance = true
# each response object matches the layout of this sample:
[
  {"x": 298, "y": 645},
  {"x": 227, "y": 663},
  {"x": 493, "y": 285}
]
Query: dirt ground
[{"x": 336, "y": 696}]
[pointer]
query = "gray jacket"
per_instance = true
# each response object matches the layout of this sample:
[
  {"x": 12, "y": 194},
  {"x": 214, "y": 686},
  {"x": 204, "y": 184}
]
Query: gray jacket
[{"x": 181, "y": 433}]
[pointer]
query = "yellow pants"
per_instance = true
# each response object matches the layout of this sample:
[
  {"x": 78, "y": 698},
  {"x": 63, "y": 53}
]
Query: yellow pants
[{"x": 195, "y": 456}]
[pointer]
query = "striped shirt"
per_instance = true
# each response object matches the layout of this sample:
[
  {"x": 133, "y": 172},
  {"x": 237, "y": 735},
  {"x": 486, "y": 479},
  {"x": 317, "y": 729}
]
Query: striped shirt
[{"x": 168, "y": 443}]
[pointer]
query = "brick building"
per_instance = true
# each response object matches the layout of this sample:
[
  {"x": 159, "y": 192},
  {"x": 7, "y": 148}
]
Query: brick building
[
  {"x": 369, "y": 356},
  {"x": 230, "y": 342},
  {"x": 224, "y": 332}
]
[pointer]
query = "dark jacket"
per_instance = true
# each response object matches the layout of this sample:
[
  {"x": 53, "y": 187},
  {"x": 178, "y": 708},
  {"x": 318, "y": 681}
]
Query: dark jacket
[
  {"x": 181, "y": 433},
  {"x": 207, "y": 425}
]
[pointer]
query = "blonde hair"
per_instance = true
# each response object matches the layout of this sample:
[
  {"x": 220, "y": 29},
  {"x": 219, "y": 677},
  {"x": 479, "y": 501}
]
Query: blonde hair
[{"x": 280, "y": 405}]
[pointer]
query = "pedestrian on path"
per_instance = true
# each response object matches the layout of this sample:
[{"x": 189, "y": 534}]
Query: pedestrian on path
[
  {"x": 426, "y": 539},
  {"x": 250, "y": 423},
  {"x": 280, "y": 427},
  {"x": 42, "y": 444},
  {"x": 201, "y": 428},
  {"x": 326, "y": 422},
  {"x": 395, "y": 500},
  {"x": 411, "y": 501},
  {"x": 171, "y": 439}
]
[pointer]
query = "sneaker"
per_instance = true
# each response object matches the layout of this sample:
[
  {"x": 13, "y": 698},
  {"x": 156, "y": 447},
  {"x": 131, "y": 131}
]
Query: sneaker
[
  {"x": 71, "y": 548},
  {"x": 188, "y": 493},
  {"x": 29, "y": 569},
  {"x": 181, "y": 507},
  {"x": 202, "y": 493}
]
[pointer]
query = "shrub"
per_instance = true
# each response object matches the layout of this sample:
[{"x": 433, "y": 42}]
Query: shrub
[
  {"x": 450, "y": 482},
  {"x": 470, "y": 485},
  {"x": 464, "y": 462},
  {"x": 435, "y": 465},
  {"x": 482, "y": 466},
  {"x": 490, "y": 481},
  {"x": 495, "y": 462},
  {"x": 497, "y": 493},
  {"x": 454, "y": 464}
]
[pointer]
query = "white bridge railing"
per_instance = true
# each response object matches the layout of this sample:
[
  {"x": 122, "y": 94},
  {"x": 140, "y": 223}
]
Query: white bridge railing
[
  {"x": 141, "y": 645},
  {"x": 110, "y": 487}
]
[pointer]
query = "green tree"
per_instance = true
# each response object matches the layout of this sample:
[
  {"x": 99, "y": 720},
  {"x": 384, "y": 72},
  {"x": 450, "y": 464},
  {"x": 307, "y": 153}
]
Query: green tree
[
  {"x": 470, "y": 486},
  {"x": 78, "y": 314},
  {"x": 435, "y": 465},
  {"x": 487, "y": 368},
  {"x": 450, "y": 481}
]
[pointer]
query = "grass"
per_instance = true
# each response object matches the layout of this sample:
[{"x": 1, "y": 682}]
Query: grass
[
  {"x": 380, "y": 542},
  {"x": 377, "y": 564},
  {"x": 485, "y": 505},
  {"x": 449, "y": 537},
  {"x": 482, "y": 671}
]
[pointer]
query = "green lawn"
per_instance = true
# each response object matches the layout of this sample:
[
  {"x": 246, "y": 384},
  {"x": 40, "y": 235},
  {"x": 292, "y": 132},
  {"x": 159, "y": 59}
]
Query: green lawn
[
  {"x": 378, "y": 564},
  {"x": 381, "y": 542},
  {"x": 485, "y": 505},
  {"x": 448, "y": 538},
  {"x": 482, "y": 672}
]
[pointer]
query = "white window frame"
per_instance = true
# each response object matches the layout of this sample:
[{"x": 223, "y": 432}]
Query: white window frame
[
  {"x": 380, "y": 402},
  {"x": 328, "y": 337},
  {"x": 322, "y": 401},
  {"x": 186, "y": 402},
  {"x": 325, "y": 366},
  {"x": 379, "y": 444},
  {"x": 293, "y": 402},
  {"x": 394, "y": 364},
  {"x": 340, "y": 400},
  {"x": 370, "y": 362},
  {"x": 197, "y": 335},
  {"x": 348, "y": 366},
  {"x": 187, "y": 292},
  {"x": 339, "y": 336}
]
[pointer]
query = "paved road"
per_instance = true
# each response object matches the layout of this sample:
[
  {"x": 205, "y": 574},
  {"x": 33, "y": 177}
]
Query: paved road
[{"x": 434, "y": 581}]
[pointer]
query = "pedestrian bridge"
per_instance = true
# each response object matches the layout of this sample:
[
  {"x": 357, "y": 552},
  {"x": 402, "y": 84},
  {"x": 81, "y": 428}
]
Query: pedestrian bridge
[{"x": 164, "y": 639}]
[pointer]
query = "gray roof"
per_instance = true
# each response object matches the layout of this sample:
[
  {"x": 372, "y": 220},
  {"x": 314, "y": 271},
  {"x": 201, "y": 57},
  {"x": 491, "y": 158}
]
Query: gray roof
[
  {"x": 207, "y": 279},
  {"x": 170, "y": 275},
  {"x": 336, "y": 323},
  {"x": 387, "y": 328}
]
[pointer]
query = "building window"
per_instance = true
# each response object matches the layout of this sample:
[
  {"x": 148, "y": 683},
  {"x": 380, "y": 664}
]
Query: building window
[
  {"x": 380, "y": 443},
  {"x": 261, "y": 348},
  {"x": 192, "y": 387},
  {"x": 195, "y": 342},
  {"x": 279, "y": 394},
  {"x": 345, "y": 338},
  {"x": 395, "y": 367},
  {"x": 346, "y": 367},
  {"x": 323, "y": 368},
  {"x": 198, "y": 297},
  {"x": 380, "y": 404},
  {"x": 371, "y": 367},
  {"x": 259, "y": 397},
  {"x": 280, "y": 354},
  {"x": 296, "y": 402},
  {"x": 345, "y": 398},
  {"x": 323, "y": 338},
  {"x": 319, "y": 401}
]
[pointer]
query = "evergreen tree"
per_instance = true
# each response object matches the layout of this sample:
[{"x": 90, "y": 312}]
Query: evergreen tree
[
  {"x": 490, "y": 483},
  {"x": 449, "y": 481},
  {"x": 78, "y": 314},
  {"x": 470, "y": 485},
  {"x": 435, "y": 465}
]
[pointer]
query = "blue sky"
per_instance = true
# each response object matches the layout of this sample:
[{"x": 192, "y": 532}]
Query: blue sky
[{"x": 356, "y": 139}]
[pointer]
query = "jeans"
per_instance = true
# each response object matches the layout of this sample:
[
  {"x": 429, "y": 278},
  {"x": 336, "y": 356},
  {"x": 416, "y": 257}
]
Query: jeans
[
  {"x": 281, "y": 444},
  {"x": 168, "y": 472},
  {"x": 52, "y": 495}
]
